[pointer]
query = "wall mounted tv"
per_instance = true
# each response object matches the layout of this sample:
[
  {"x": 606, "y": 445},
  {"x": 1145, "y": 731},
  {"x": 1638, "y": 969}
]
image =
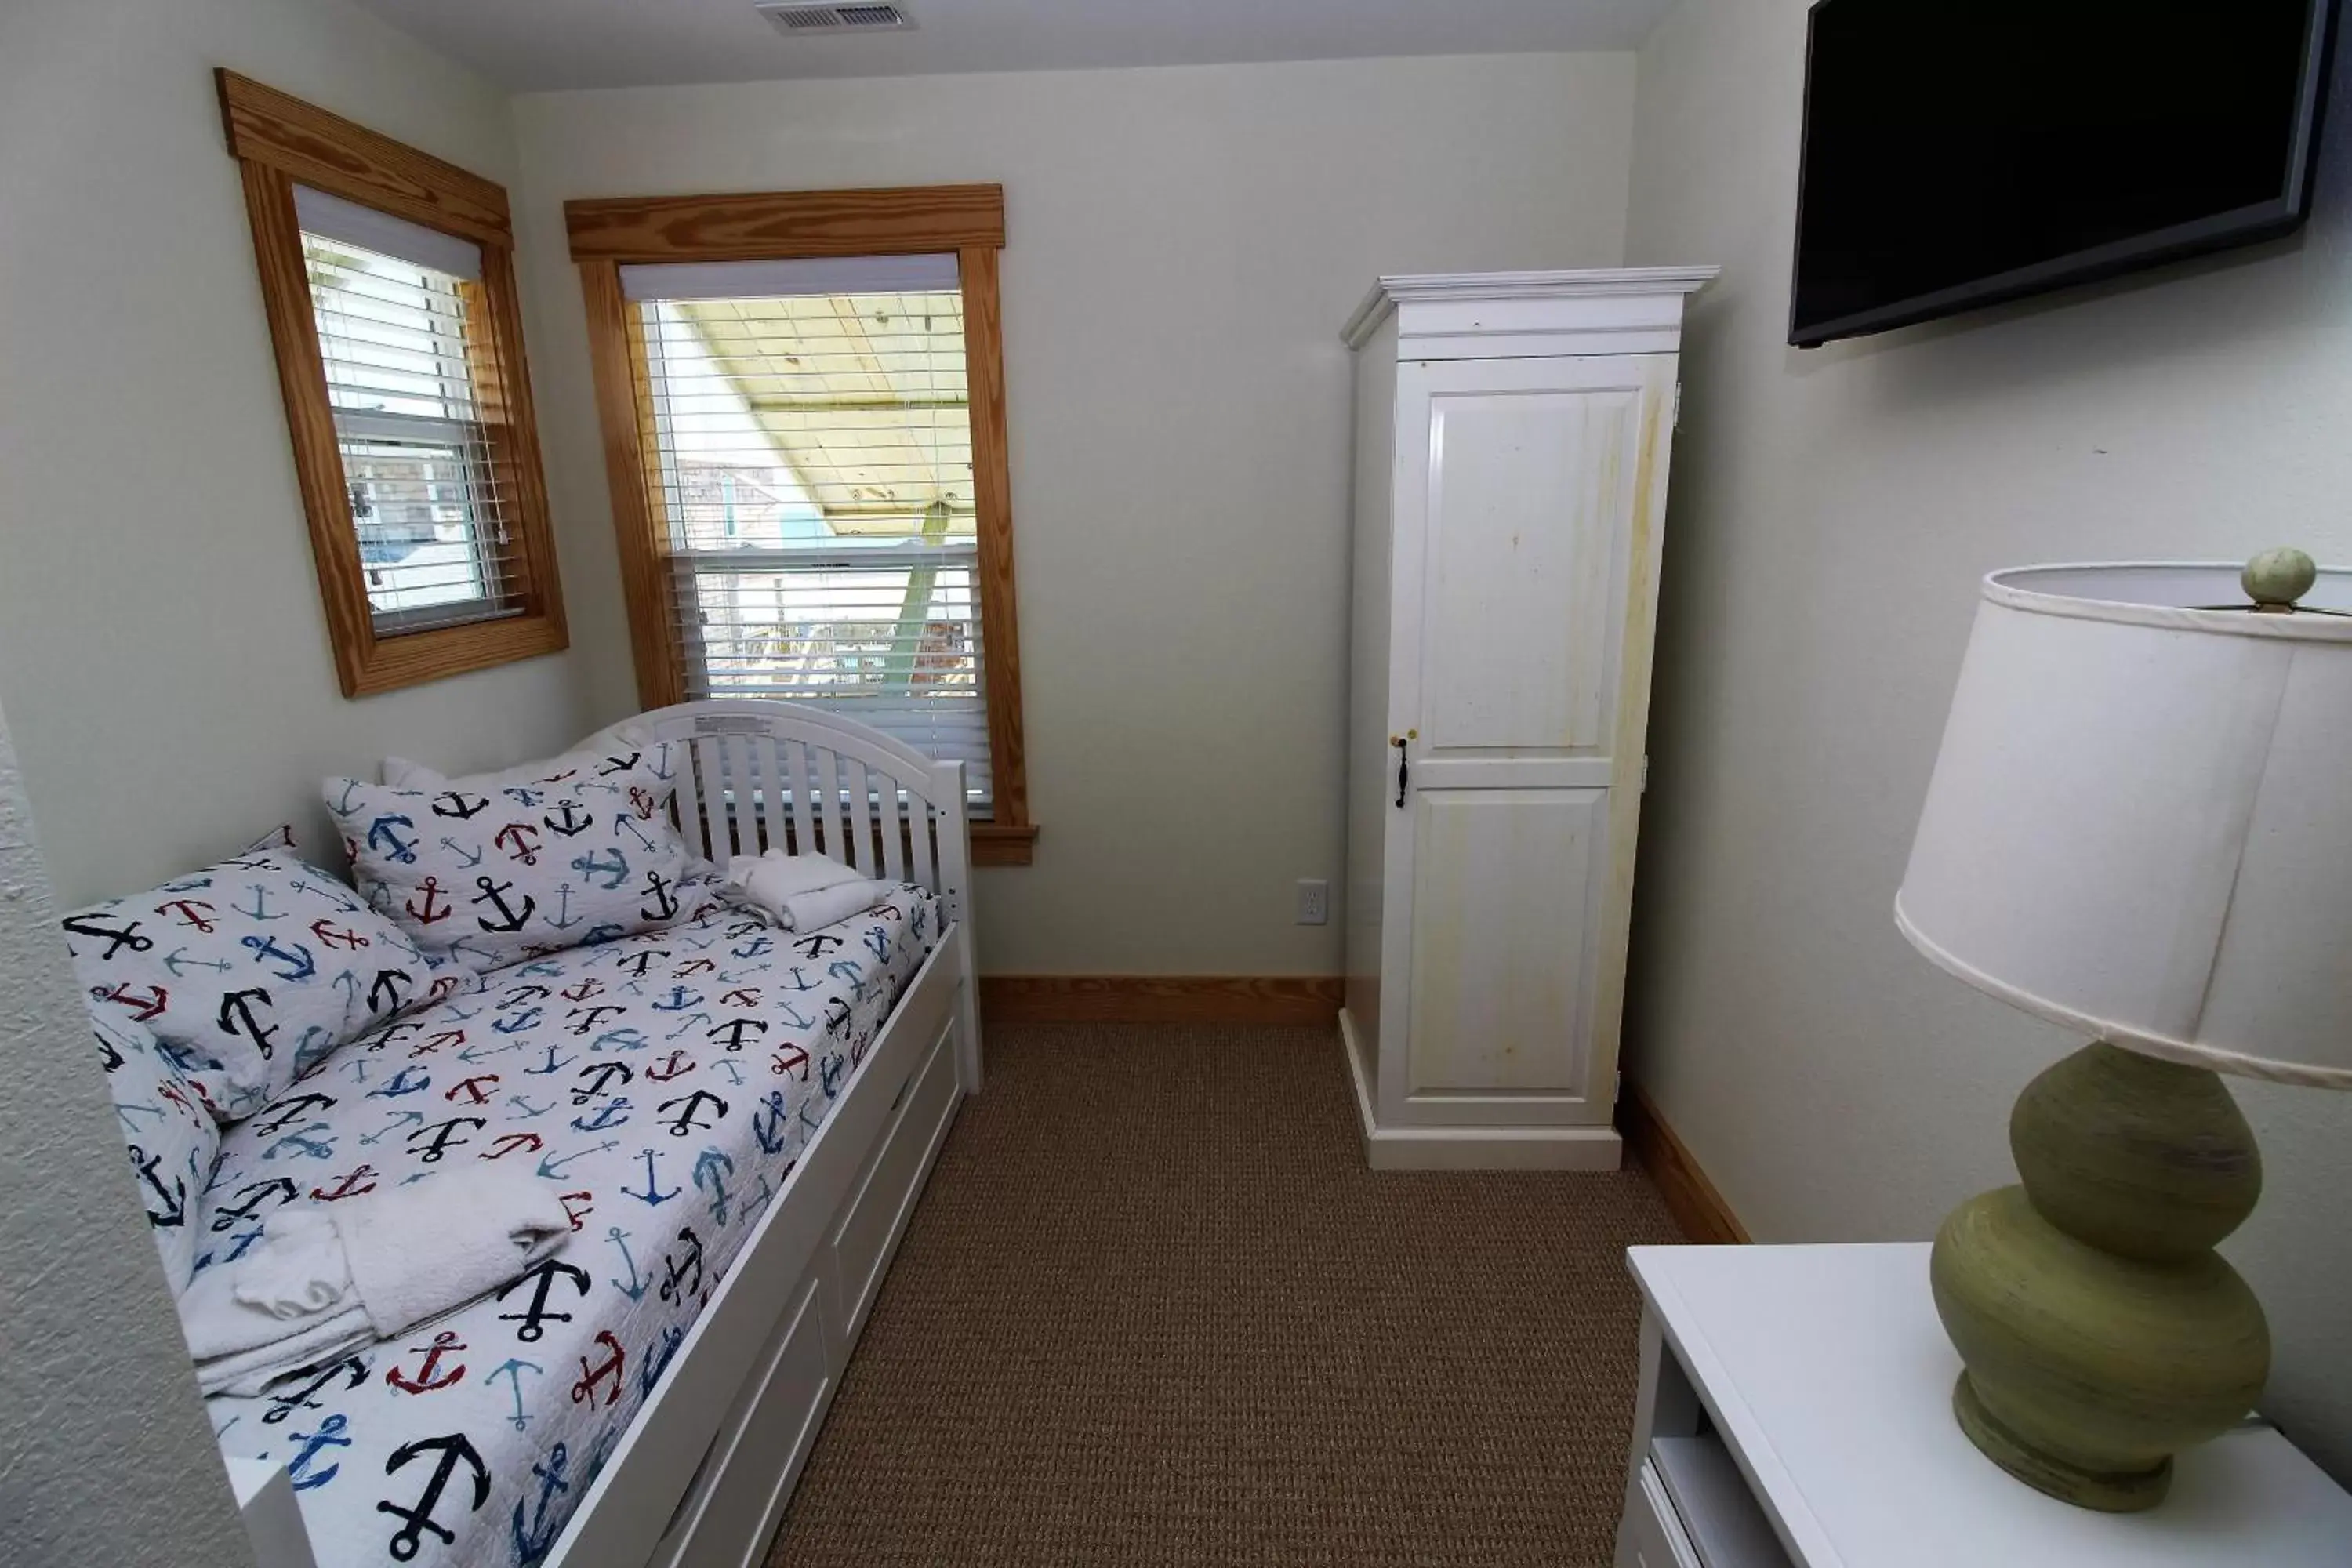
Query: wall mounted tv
[{"x": 1962, "y": 151}]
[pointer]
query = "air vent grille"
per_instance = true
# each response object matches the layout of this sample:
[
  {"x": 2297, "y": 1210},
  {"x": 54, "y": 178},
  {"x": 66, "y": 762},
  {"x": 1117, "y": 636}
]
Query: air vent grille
[{"x": 796, "y": 17}]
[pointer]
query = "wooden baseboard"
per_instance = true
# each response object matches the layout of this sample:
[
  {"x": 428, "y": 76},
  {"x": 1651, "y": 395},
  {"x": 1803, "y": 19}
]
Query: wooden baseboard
[
  {"x": 1160, "y": 998},
  {"x": 1690, "y": 1198}
]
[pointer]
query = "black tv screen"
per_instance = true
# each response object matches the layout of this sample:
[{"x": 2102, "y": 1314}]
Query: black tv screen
[{"x": 1961, "y": 152}]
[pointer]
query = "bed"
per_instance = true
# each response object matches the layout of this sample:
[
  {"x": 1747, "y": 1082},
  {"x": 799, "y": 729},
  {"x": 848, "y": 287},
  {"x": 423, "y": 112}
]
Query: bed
[{"x": 739, "y": 1120}]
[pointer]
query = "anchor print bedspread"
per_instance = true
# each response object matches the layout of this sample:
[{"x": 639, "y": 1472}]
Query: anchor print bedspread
[{"x": 665, "y": 1084}]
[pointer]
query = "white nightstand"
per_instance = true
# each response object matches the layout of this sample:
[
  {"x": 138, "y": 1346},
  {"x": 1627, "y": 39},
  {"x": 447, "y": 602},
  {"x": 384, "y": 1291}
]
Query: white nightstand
[{"x": 1796, "y": 1408}]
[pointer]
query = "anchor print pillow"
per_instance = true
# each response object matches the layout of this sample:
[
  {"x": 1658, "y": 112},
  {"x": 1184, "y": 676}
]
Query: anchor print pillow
[
  {"x": 247, "y": 972},
  {"x": 488, "y": 871},
  {"x": 172, "y": 1140}
]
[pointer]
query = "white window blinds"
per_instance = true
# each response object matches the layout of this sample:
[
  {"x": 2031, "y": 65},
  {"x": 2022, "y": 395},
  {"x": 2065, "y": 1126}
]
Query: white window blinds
[
  {"x": 395, "y": 306},
  {"x": 813, "y": 459}
]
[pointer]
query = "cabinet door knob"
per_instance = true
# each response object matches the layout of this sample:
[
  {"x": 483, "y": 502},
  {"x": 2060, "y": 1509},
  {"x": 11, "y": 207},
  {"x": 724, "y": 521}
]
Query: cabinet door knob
[{"x": 1403, "y": 768}]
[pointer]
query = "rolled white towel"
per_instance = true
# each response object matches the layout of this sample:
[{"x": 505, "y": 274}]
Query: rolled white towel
[{"x": 830, "y": 906}]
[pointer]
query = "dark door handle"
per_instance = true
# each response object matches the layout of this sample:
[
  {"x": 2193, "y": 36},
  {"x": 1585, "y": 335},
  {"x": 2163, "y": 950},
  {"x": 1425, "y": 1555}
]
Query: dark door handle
[{"x": 1403, "y": 769}]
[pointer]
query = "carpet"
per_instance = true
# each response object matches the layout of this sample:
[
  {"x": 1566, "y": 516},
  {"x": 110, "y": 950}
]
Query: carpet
[{"x": 1153, "y": 1309}]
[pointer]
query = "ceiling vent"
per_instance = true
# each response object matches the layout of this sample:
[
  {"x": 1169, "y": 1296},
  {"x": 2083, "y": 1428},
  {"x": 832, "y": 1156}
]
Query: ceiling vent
[{"x": 798, "y": 17}]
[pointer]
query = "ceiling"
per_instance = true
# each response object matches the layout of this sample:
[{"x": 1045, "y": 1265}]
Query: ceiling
[
  {"x": 536, "y": 45},
  {"x": 863, "y": 397}
]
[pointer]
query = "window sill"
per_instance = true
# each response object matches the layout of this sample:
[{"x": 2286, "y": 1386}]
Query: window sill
[
  {"x": 411, "y": 659},
  {"x": 1003, "y": 844}
]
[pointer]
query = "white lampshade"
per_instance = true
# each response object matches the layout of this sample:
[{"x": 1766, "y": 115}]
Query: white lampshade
[{"x": 2140, "y": 824}]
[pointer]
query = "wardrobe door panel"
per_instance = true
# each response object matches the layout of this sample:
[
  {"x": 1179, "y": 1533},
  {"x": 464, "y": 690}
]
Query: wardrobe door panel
[
  {"x": 1502, "y": 949},
  {"x": 1527, "y": 492}
]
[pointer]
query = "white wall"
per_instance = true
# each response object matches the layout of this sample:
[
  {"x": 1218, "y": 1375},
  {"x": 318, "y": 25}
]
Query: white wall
[
  {"x": 1183, "y": 248},
  {"x": 1832, "y": 512},
  {"x": 103, "y": 1440},
  {"x": 162, "y": 650}
]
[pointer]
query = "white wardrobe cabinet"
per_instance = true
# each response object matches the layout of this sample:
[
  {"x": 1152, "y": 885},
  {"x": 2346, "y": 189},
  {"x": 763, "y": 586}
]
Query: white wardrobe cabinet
[{"x": 1512, "y": 437}]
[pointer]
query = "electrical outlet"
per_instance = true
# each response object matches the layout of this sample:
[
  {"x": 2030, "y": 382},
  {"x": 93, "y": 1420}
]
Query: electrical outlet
[{"x": 1314, "y": 902}]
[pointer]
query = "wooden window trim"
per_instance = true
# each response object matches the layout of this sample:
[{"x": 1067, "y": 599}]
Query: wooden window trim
[
  {"x": 609, "y": 232},
  {"x": 278, "y": 141}
]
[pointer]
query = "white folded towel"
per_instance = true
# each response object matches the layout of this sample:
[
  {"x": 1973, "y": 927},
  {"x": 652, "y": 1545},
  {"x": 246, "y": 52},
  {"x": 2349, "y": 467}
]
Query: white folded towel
[
  {"x": 329, "y": 1279},
  {"x": 286, "y": 1302},
  {"x": 297, "y": 1271},
  {"x": 769, "y": 880},
  {"x": 418, "y": 1251},
  {"x": 805, "y": 893},
  {"x": 828, "y": 906},
  {"x": 251, "y": 1372}
]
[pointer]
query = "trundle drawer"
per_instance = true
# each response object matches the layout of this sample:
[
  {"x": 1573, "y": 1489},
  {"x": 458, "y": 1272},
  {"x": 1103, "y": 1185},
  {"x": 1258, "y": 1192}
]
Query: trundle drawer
[
  {"x": 885, "y": 1192},
  {"x": 735, "y": 1501}
]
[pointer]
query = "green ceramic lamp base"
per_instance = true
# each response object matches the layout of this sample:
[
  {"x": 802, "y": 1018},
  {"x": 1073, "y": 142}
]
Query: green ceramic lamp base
[
  {"x": 2110, "y": 1492},
  {"x": 2101, "y": 1331}
]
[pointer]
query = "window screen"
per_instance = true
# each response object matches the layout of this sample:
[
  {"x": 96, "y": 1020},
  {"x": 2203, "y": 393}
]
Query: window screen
[{"x": 810, "y": 436}]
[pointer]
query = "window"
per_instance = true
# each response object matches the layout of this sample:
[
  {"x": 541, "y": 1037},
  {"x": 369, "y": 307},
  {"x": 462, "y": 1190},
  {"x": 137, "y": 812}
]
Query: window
[
  {"x": 812, "y": 450},
  {"x": 804, "y": 428},
  {"x": 388, "y": 279},
  {"x": 389, "y": 305}
]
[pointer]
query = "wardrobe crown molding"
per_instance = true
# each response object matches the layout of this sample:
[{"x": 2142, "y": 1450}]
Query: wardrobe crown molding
[{"x": 1390, "y": 293}]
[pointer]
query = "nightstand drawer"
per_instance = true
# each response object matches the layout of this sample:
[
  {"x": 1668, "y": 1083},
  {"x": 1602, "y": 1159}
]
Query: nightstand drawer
[
  {"x": 1651, "y": 1535},
  {"x": 1690, "y": 1508},
  {"x": 1719, "y": 1514}
]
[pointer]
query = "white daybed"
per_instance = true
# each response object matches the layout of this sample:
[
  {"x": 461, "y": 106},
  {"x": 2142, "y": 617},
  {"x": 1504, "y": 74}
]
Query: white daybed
[{"x": 702, "y": 1473}]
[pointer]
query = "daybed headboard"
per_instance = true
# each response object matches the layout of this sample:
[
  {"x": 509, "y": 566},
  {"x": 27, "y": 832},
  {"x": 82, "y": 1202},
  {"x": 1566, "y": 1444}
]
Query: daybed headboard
[{"x": 764, "y": 774}]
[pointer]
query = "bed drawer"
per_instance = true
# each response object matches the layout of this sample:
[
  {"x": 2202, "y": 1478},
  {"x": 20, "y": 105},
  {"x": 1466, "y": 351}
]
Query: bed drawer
[
  {"x": 727, "y": 1520},
  {"x": 884, "y": 1194}
]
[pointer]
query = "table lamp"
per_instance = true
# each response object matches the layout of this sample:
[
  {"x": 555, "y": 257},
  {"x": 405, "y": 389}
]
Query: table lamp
[{"x": 2139, "y": 829}]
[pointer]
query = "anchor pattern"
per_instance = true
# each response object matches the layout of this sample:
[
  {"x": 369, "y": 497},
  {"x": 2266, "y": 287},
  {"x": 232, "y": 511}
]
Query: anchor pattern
[
  {"x": 525, "y": 864},
  {"x": 172, "y": 1142},
  {"x": 472, "y": 1439},
  {"x": 229, "y": 969}
]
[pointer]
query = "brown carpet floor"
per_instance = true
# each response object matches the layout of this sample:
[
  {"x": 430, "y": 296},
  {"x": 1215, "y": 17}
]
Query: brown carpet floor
[{"x": 1153, "y": 1309}]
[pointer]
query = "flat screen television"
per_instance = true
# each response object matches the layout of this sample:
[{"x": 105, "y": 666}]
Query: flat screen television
[{"x": 1963, "y": 152}]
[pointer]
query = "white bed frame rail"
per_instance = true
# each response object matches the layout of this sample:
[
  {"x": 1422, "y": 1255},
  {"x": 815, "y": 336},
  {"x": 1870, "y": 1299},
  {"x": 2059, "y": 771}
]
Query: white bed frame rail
[{"x": 701, "y": 1475}]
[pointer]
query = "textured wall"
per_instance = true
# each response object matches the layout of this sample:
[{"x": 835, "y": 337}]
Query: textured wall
[
  {"x": 1184, "y": 246},
  {"x": 159, "y": 611},
  {"x": 104, "y": 1450},
  {"x": 1832, "y": 512}
]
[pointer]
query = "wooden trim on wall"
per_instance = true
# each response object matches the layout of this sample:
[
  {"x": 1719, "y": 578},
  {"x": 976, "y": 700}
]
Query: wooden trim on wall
[
  {"x": 318, "y": 457},
  {"x": 1002, "y": 842},
  {"x": 1160, "y": 999},
  {"x": 345, "y": 159},
  {"x": 1000, "y": 620},
  {"x": 616, "y": 361},
  {"x": 767, "y": 226},
  {"x": 278, "y": 140},
  {"x": 1690, "y": 1198},
  {"x": 967, "y": 220}
]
